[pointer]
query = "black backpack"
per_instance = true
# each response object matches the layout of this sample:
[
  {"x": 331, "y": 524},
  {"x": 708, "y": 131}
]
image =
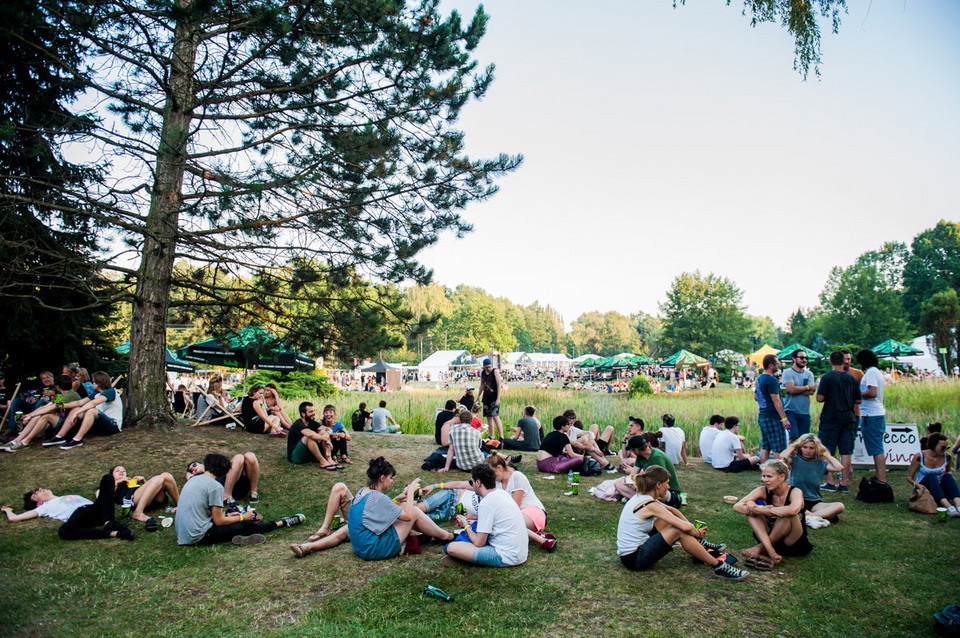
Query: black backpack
[
  {"x": 874, "y": 491},
  {"x": 357, "y": 420}
]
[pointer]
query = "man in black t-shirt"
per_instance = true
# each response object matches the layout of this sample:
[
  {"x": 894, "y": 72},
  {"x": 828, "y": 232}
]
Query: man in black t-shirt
[
  {"x": 360, "y": 419},
  {"x": 448, "y": 412},
  {"x": 839, "y": 393},
  {"x": 306, "y": 444}
]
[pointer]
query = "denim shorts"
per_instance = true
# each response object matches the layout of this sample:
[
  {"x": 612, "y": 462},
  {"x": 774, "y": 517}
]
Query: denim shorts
[
  {"x": 487, "y": 556},
  {"x": 872, "y": 428},
  {"x": 444, "y": 502}
]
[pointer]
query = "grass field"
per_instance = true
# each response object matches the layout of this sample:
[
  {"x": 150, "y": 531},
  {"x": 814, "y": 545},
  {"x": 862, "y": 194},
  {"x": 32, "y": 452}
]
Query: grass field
[{"x": 882, "y": 571}]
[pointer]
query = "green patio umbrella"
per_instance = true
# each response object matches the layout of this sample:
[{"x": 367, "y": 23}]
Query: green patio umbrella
[
  {"x": 894, "y": 348},
  {"x": 683, "y": 358},
  {"x": 786, "y": 352},
  {"x": 249, "y": 348},
  {"x": 171, "y": 363}
]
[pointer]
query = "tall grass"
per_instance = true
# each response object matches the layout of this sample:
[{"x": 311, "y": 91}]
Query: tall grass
[{"x": 415, "y": 409}]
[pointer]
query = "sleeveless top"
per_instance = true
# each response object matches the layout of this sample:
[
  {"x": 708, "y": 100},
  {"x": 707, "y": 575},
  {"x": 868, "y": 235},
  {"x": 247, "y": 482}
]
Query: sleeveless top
[
  {"x": 924, "y": 471},
  {"x": 488, "y": 383}
]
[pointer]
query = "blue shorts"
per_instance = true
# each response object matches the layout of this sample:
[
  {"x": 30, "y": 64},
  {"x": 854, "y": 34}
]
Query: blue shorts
[
  {"x": 104, "y": 425},
  {"x": 487, "y": 556},
  {"x": 838, "y": 435},
  {"x": 799, "y": 424},
  {"x": 872, "y": 428},
  {"x": 773, "y": 436}
]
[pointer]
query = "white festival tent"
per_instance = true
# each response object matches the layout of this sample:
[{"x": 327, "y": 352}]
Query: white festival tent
[
  {"x": 926, "y": 361},
  {"x": 442, "y": 360}
]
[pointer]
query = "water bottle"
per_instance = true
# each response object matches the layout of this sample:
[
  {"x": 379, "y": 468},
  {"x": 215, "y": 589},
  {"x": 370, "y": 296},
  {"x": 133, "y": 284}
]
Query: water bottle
[
  {"x": 569, "y": 480},
  {"x": 436, "y": 592}
]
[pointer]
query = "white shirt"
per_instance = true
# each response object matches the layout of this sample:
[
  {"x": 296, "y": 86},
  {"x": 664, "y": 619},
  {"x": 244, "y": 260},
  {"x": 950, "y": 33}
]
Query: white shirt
[
  {"x": 632, "y": 532},
  {"x": 519, "y": 481},
  {"x": 500, "y": 518},
  {"x": 672, "y": 442},
  {"x": 874, "y": 406},
  {"x": 62, "y": 507},
  {"x": 724, "y": 447},
  {"x": 707, "y": 436}
]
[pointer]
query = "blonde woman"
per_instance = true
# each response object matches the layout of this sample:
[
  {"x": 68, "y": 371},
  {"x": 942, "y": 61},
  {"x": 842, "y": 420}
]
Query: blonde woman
[
  {"x": 776, "y": 514},
  {"x": 271, "y": 396},
  {"x": 808, "y": 460},
  {"x": 518, "y": 487}
]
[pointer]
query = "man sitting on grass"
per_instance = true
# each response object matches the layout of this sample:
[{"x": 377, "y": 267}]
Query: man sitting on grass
[
  {"x": 306, "y": 443},
  {"x": 200, "y": 517},
  {"x": 103, "y": 414},
  {"x": 50, "y": 415},
  {"x": 727, "y": 450},
  {"x": 500, "y": 536},
  {"x": 82, "y": 520}
]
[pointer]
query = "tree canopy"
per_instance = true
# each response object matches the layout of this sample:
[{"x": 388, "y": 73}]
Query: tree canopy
[{"x": 704, "y": 314}]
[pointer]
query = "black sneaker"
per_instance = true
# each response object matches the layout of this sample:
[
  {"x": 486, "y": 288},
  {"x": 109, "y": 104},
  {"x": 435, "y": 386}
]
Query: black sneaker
[
  {"x": 717, "y": 547},
  {"x": 290, "y": 521},
  {"x": 57, "y": 440},
  {"x": 515, "y": 459},
  {"x": 728, "y": 571},
  {"x": 125, "y": 533},
  {"x": 843, "y": 489},
  {"x": 72, "y": 443},
  {"x": 828, "y": 487},
  {"x": 254, "y": 497}
]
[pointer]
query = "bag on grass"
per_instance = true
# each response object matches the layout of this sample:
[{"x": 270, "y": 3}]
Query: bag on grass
[
  {"x": 921, "y": 500},
  {"x": 590, "y": 468},
  {"x": 874, "y": 491}
]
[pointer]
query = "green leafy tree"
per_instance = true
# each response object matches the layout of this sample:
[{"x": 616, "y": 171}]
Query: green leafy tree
[
  {"x": 650, "y": 332},
  {"x": 859, "y": 306},
  {"x": 933, "y": 266},
  {"x": 766, "y": 331},
  {"x": 941, "y": 318},
  {"x": 251, "y": 132},
  {"x": 477, "y": 326},
  {"x": 704, "y": 314}
]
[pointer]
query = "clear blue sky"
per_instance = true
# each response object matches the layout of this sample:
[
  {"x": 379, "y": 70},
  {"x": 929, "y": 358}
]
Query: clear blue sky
[{"x": 659, "y": 140}]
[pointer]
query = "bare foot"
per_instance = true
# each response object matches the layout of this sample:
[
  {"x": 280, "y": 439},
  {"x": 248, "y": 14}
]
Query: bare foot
[
  {"x": 299, "y": 550},
  {"x": 751, "y": 551}
]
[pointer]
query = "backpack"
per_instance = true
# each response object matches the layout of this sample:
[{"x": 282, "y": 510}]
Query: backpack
[
  {"x": 590, "y": 468},
  {"x": 874, "y": 491},
  {"x": 357, "y": 421}
]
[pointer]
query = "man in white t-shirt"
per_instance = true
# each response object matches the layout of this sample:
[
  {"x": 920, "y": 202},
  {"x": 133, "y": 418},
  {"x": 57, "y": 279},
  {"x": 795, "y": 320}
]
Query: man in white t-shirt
[
  {"x": 500, "y": 538},
  {"x": 674, "y": 440},
  {"x": 708, "y": 435},
  {"x": 727, "y": 450},
  {"x": 379, "y": 418}
]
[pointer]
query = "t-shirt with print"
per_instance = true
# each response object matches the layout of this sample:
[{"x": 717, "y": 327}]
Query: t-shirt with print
[
  {"x": 112, "y": 408},
  {"x": 767, "y": 384},
  {"x": 500, "y": 518},
  {"x": 872, "y": 407},
  {"x": 797, "y": 403},
  {"x": 62, "y": 507}
]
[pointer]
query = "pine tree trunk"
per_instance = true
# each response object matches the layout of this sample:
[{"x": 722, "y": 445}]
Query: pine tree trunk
[{"x": 146, "y": 399}]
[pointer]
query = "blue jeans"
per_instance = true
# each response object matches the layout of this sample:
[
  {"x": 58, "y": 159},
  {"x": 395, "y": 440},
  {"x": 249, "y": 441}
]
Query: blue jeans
[
  {"x": 487, "y": 556},
  {"x": 20, "y": 405},
  {"x": 872, "y": 429},
  {"x": 443, "y": 502},
  {"x": 941, "y": 487},
  {"x": 799, "y": 424}
]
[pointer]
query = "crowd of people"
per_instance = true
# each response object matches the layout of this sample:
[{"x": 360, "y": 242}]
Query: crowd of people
[{"x": 496, "y": 511}]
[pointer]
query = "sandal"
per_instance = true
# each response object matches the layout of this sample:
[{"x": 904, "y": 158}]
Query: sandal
[
  {"x": 761, "y": 563},
  {"x": 344, "y": 459},
  {"x": 299, "y": 550},
  {"x": 151, "y": 524}
]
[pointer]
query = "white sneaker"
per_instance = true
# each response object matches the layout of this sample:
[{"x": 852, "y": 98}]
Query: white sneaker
[{"x": 953, "y": 512}]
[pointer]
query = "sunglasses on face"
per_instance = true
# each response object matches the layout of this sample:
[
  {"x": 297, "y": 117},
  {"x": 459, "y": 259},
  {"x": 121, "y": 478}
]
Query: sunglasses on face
[{"x": 192, "y": 467}]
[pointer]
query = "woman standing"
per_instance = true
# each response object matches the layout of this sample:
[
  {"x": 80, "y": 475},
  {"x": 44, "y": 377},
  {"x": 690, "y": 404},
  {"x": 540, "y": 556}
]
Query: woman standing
[
  {"x": 808, "y": 460},
  {"x": 776, "y": 515},
  {"x": 648, "y": 529},
  {"x": 932, "y": 469}
]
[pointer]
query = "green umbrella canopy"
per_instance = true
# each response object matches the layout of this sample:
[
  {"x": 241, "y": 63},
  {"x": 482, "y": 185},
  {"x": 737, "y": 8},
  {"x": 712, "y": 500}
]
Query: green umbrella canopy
[
  {"x": 172, "y": 363},
  {"x": 683, "y": 358},
  {"x": 786, "y": 352},
  {"x": 589, "y": 362},
  {"x": 251, "y": 347},
  {"x": 894, "y": 348}
]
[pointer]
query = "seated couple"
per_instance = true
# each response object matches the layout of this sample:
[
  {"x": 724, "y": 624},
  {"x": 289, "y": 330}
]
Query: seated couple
[
  {"x": 557, "y": 454},
  {"x": 324, "y": 442}
]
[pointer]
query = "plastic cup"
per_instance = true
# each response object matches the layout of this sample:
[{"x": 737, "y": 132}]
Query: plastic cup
[
  {"x": 575, "y": 489},
  {"x": 942, "y": 514}
]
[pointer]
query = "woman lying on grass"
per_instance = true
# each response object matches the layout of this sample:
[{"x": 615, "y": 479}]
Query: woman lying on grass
[
  {"x": 808, "y": 460},
  {"x": 377, "y": 527},
  {"x": 648, "y": 529},
  {"x": 777, "y": 516},
  {"x": 145, "y": 494}
]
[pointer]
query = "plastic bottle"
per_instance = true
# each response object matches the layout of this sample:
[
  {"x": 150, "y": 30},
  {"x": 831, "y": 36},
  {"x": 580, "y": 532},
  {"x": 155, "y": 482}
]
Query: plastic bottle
[
  {"x": 569, "y": 479},
  {"x": 436, "y": 592}
]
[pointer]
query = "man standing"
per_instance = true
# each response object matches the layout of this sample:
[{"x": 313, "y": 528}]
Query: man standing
[
  {"x": 798, "y": 382},
  {"x": 839, "y": 393},
  {"x": 857, "y": 375},
  {"x": 773, "y": 422},
  {"x": 491, "y": 383}
]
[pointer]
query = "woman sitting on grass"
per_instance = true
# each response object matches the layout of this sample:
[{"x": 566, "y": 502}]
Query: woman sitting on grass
[
  {"x": 808, "y": 460},
  {"x": 556, "y": 454},
  {"x": 518, "y": 487},
  {"x": 254, "y": 414},
  {"x": 376, "y": 525},
  {"x": 931, "y": 468},
  {"x": 144, "y": 494},
  {"x": 271, "y": 397},
  {"x": 338, "y": 434},
  {"x": 648, "y": 529},
  {"x": 776, "y": 515}
]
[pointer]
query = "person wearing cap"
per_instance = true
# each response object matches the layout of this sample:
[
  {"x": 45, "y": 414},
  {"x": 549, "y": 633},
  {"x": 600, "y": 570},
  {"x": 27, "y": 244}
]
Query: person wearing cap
[
  {"x": 674, "y": 441},
  {"x": 254, "y": 414},
  {"x": 773, "y": 421},
  {"x": 468, "y": 398},
  {"x": 645, "y": 456},
  {"x": 491, "y": 384},
  {"x": 635, "y": 428}
]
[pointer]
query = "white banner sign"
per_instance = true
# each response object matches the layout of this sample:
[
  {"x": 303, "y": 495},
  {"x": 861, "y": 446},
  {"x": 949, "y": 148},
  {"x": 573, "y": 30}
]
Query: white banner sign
[{"x": 901, "y": 442}]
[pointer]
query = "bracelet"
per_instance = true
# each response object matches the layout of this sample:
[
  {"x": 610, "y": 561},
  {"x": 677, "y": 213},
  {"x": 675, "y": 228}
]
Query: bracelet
[
  {"x": 784, "y": 420},
  {"x": 441, "y": 485},
  {"x": 241, "y": 517}
]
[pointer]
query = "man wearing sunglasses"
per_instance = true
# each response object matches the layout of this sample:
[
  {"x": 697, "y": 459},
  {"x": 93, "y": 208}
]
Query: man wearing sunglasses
[{"x": 798, "y": 382}]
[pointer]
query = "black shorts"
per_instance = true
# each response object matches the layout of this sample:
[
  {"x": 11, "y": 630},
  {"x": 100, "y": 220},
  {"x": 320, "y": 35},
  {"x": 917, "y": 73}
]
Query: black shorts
[
  {"x": 255, "y": 425},
  {"x": 739, "y": 465},
  {"x": 647, "y": 555},
  {"x": 491, "y": 409}
]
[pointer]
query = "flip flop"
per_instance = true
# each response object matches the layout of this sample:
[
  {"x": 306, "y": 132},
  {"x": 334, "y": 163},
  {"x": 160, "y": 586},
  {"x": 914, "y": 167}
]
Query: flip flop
[
  {"x": 316, "y": 537},
  {"x": 151, "y": 524},
  {"x": 761, "y": 563},
  {"x": 331, "y": 468},
  {"x": 346, "y": 460},
  {"x": 298, "y": 550}
]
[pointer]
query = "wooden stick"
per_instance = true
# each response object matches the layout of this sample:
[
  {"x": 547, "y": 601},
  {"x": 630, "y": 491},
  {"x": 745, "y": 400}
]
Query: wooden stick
[{"x": 10, "y": 404}]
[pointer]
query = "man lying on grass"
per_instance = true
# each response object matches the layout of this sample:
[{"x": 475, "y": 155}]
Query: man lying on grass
[
  {"x": 82, "y": 520},
  {"x": 200, "y": 518}
]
